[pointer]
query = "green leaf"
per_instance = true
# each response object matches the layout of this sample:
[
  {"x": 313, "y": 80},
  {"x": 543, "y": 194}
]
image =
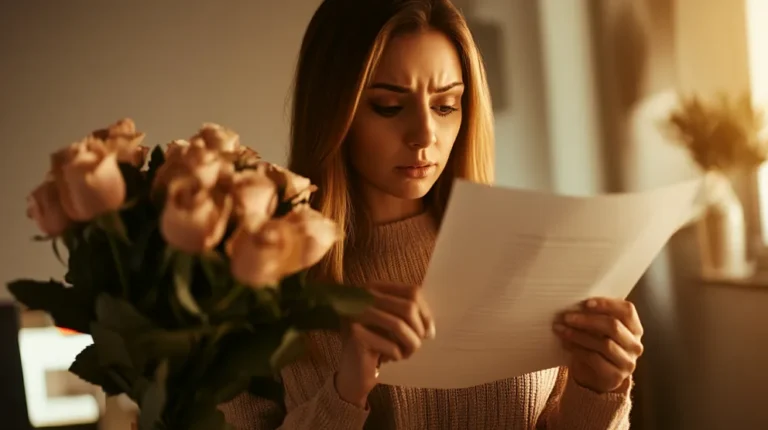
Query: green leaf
[
  {"x": 156, "y": 159},
  {"x": 346, "y": 300},
  {"x": 110, "y": 347},
  {"x": 317, "y": 318},
  {"x": 216, "y": 271},
  {"x": 120, "y": 315},
  {"x": 92, "y": 266},
  {"x": 292, "y": 348},
  {"x": 292, "y": 286},
  {"x": 269, "y": 304},
  {"x": 205, "y": 417},
  {"x": 153, "y": 402},
  {"x": 169, "y": 255},
  {"x": 57, "y": 252},
  {"x": 113, "y": 224},
  {"x": 142, "y": 245},
  {"x": 268, "y": 388},
  {"x": 173, "y": 345},
  {"x": 87, "y": 367},
  {"x": 226, "y": 390},
  {"x": 134, "y": 181},
  {"x": 68, "y": 307},
  {"x": 241, "y": 356},
  {"x": 182, "y": 281}
]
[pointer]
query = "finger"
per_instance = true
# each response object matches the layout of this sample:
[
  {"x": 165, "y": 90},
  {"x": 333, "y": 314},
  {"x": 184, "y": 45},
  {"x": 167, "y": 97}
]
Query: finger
[
  {"x": 623, "y": 310},
  {"x": 604, "y": 325},
  {"x": 606, "y": 347},
  {"x": 400, "y": 290},
  {"x": 595, "y": 361},
  {"x": 405, "y": 309},
  {"x": 376, "y": 343},
  {"x": 412, "y": 293},
  {"x": 395, "y": 327},
  {"x": 426, "y": 317}
]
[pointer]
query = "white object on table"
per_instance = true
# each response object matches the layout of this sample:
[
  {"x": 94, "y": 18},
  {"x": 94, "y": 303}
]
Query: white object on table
[{"x": 43, "y": 350}]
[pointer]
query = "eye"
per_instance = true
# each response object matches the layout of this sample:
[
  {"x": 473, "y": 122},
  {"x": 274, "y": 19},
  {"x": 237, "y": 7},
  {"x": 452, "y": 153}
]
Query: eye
[
  {"x": 386, "y": 111},
  {"x": 444, "y": 110}
]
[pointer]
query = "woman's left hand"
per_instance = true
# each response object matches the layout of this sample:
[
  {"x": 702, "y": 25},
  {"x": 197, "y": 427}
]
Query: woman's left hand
[{"x": 604, "y": 340}]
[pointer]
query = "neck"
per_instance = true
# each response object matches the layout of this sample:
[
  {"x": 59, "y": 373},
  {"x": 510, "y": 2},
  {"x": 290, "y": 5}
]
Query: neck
[{"x": 384, "y": 209}]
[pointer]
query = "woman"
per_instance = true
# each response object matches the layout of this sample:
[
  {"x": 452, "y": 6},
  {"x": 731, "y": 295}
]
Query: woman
[{"x": 390, "y": 106}]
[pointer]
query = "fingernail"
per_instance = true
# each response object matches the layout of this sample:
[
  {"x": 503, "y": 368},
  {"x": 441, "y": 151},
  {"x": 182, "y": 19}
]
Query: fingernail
[
  {"x": 591, "y": 304},
  {"x": 432, "y": 332},
  {"x": 571, "y": 318},
  {"x": 559, "y": 327}
]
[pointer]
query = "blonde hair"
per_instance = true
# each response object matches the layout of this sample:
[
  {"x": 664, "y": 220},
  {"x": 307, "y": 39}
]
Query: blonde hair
[{"x": 339, "y": 53}]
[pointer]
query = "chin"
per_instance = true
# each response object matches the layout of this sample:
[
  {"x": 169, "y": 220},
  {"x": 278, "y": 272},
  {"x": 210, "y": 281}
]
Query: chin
[{"x": 413, "y": 190}]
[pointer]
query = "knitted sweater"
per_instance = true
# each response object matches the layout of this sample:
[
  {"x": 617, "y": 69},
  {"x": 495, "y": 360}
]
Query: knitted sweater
[{"x": 400, "y": 252}]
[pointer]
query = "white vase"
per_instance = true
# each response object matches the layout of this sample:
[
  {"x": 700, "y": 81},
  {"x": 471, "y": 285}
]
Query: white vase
[
  {"x": 120, "y": 413},
  {"x": 722, "y": 231}
]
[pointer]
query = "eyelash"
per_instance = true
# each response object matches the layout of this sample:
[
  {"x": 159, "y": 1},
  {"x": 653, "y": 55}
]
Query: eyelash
[{"x": 390, "y": 111}]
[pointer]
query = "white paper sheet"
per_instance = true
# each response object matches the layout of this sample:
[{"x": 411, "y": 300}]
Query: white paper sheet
[{"x": 507, "y": 262}]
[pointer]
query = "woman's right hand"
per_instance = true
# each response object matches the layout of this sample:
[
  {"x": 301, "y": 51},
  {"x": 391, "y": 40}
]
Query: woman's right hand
[{"x": 392, "y": 329}]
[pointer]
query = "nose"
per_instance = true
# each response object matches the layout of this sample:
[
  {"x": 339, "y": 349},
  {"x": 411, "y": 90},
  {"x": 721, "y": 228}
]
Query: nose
[{"x": 422, "y": 133}]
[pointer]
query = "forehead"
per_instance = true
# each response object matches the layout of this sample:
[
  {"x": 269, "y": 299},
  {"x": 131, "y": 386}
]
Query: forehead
[{"x": 424, "y": 56}]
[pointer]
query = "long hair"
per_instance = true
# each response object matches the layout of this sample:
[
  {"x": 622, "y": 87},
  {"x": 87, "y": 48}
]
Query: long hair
[{"x": 339, "y": 53}]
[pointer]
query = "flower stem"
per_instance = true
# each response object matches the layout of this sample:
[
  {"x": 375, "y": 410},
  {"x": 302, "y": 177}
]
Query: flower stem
[
  {"x": 119, "y": 265},
  {"x": 109, "y": 227},
  {"x": 227, "y": 300}
]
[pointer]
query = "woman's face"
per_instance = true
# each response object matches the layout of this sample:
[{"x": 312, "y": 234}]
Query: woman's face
[{"x": 408, "y": 118}]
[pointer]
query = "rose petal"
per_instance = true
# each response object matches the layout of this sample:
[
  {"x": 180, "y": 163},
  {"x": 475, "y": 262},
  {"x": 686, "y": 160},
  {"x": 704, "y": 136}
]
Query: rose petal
[
  {"x": 44, "y": 207},
  {"x": 294, "y": 186},
  {"x": 88, "y": 180},
  {"x": 217, "y": 138},
  {"x": 194, "y": 218},
  {"x": 189, "y": 160},
  {"x": 255, "y": 194},
  {"x": 316, "y": 235},
  {"x": 257, "y": 256}
]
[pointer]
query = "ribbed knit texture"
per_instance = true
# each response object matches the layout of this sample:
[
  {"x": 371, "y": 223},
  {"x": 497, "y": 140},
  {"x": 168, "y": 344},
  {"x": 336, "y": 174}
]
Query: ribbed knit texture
[{"x": 399, "y": 252}]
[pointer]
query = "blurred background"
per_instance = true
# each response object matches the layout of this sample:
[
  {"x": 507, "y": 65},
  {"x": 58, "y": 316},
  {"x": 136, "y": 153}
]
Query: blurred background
[{"x": 582, "y": 90}]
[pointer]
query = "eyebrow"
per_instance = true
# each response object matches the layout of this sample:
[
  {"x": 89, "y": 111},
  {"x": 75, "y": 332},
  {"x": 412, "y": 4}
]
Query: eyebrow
[{"x": 404, "y": 90}]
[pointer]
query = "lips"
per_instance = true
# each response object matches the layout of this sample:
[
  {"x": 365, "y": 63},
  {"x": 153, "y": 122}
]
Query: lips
[
  {"x": 417, "y": 165},
  {"x": 419, "y": 170}
]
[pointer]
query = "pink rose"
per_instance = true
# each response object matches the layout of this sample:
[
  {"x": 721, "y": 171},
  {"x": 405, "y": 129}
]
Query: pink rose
[
  {"x": 247, "y": 157},
  {"x": 122, "y": 138},
  {"x": 255, "y": 195},
  {"x": 263, "y": 255},
  {"x": 217, "y": 138},
  {"x": 136, "y": 156},
  {"x": 44, "y": 207},
  {"x": 195, "y": 217},
  {"x": 185, "y": 159},
  {"x": 296, "y": 187},
  {"x": 88, "y": 179}
]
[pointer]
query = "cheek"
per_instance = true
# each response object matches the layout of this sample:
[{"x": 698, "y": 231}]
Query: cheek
[
  {"x": 372, "y": 142},
  {"x": 447, "y": 133}
]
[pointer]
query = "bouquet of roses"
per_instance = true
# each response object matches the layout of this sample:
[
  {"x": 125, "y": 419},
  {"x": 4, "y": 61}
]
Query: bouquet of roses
[{"x": 186, "y": 266}]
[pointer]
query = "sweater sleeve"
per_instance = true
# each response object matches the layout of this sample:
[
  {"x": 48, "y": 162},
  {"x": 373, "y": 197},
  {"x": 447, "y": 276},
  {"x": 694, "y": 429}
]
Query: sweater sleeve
[
  {"x": 573, "y": 407},
  {"x": 324, "y": 410}
]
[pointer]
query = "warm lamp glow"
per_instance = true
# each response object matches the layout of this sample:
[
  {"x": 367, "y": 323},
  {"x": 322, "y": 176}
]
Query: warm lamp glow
[
  {"x": 66, "y": 331},
  {"x": 757, "y": 46}
]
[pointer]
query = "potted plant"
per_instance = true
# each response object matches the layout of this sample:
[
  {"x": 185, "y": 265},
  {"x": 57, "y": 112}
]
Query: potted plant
[{"x": 725, "y": 139}]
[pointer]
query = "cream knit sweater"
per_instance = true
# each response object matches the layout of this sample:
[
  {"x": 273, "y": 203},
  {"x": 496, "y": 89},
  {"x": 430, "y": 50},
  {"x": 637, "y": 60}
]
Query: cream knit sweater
[{"x": 399, "y": 252}]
